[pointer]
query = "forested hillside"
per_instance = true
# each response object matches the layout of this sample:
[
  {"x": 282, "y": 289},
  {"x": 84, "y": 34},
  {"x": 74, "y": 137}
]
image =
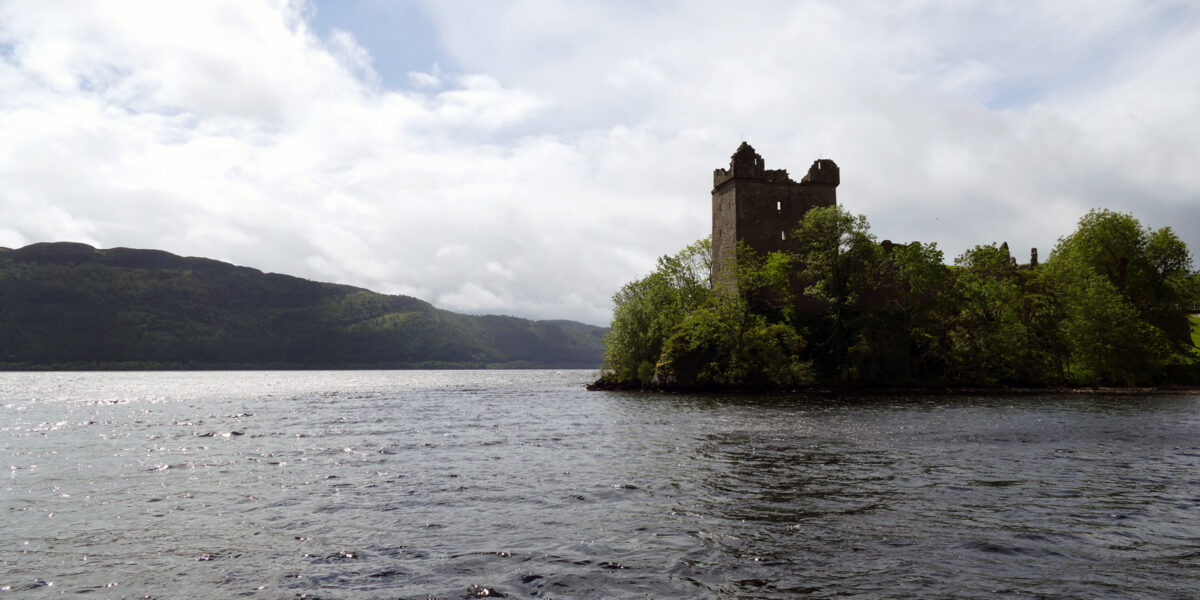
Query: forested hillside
[{"x": 68, "y": 305}]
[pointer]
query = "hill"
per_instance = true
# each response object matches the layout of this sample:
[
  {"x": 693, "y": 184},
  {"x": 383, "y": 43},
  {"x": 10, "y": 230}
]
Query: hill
[{"x": 71, "y": 306}]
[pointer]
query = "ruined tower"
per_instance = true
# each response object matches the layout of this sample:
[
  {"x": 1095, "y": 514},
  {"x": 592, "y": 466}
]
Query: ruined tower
[{"x": 762, "y": 207}]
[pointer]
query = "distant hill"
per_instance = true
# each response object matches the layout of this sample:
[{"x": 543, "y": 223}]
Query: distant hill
[{"x": 71, "y": 306}]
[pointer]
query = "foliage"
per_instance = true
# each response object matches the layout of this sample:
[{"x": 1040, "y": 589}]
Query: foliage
[
  {"x": 647, "y": 311},
  {"x": 835, "y": 252},
  {"x": 839, "y": 264},
  {"x": 673, "y": 329},
  {"x": 913, "y": 309},
  {"x": 1005, "y": 322},
  {"x": 1125, "y": 290},
  {"x": 723, "y": 344},
  {"x": 1105, "y": 339},
  {"x": 1151, "y": 269}
]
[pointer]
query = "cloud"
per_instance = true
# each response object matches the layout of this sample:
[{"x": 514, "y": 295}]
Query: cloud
[
  {"x": 957, "y": 124},
  {"x": 570, "y": 145},
  {"x": 352, "y": 56},
  {"x": 421, "y": 79},
  {"x": 475, "y": 298}
]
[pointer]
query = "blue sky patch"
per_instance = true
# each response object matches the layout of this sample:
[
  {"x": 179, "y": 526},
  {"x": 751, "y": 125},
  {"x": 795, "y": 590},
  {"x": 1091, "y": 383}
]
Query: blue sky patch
[{"x": 399, "y": 35}]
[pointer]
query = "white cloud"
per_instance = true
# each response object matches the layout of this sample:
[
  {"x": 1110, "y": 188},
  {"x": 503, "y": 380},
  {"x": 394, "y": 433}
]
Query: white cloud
[
  {"x": 498, "y": 270},
  {"x": 351, "y": 56},
  {"x": 475, "y": 298},
  {"x": 571, "y": 144},
  {"x": 426, "y": 80},
  {"x": 11, "y": 238}
]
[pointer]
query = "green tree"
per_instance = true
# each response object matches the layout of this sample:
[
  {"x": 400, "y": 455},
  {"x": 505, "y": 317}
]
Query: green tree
[
  {"x": 835, "y": 251},
  {"x": 1125, "y": 295},
  {"x": 1113, "y": 245},
  {"x": 740, "y": 336},
  {"x": 1150, "y": 268},
  {"x": 901, "y": 335},
  {"x": 986, "y": 334},
  {"x": 647, "y": 311},
  {"x": 838, "y": 261},
  {"x": 1105, "y": 338}
]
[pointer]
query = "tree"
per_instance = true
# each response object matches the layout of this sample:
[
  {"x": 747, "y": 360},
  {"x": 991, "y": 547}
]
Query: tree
[
  {"x": 986, "y": 334},
  {"x": 901, "y": 335},
  {"x": 1125, "y": 295},
  {"x": 1150, "y": 268},
  {"x": 1172, "y": 293},
  {"x": 835, "y": 250},
  {"x": 648, "y": 310},
  {"x": 1106, "y": 340},
  {"x": 740, "y": 337},
  {"x": 838, "y": 260}
]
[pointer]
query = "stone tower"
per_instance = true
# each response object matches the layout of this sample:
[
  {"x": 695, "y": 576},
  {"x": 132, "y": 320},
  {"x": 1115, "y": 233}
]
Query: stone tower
[{"x": 762, "y": 207}]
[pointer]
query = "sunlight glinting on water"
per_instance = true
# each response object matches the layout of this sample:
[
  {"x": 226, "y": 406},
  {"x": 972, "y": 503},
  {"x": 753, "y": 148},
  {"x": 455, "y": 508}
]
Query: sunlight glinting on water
[{"x": 456, "y": 484}]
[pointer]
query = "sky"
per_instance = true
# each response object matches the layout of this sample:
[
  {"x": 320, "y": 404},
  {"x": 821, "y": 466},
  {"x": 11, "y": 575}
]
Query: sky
[{"x": 528, "y": 158}]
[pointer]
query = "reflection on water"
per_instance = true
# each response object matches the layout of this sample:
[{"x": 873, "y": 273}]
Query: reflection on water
[{"x": 457, "y": 484}]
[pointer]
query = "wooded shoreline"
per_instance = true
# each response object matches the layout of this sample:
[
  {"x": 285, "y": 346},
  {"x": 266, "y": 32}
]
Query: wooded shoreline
[{"x": 899, "y": 390}]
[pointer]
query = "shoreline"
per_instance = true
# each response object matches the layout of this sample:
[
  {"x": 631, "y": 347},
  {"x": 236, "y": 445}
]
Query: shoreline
[
  {"x": 900, "y": 390},
  {"x": 149, "y": 367}
]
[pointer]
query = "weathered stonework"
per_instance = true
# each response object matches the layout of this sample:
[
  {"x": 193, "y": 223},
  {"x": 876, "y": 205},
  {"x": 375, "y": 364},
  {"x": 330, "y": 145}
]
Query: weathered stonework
[{"x": 762, "y": 207}]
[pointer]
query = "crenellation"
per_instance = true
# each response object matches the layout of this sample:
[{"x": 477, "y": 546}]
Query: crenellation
[
  {"x": 721, "y": 176},
  {"x": 823, "y": 172},
  {"x": 778, "y": 176}
]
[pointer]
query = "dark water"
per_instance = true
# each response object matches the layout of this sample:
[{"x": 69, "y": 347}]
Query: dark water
[{"x": 453, "y": 484}]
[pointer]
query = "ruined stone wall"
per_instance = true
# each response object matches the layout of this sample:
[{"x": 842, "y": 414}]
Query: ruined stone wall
[
  {"x": 762, "y": 207},
  {"x": 724, "y": 234}
]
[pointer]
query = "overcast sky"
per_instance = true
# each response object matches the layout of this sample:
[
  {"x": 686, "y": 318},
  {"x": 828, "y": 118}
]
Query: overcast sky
[{"x": 528, "y": 158}]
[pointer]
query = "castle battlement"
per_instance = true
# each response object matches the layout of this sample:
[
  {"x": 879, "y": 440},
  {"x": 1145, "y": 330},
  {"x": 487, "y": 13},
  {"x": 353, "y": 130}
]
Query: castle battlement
[
  {"x": 723, "y": 176},
  {"x": 823, "y": 172},
  {"x": 747, "y": 164}
]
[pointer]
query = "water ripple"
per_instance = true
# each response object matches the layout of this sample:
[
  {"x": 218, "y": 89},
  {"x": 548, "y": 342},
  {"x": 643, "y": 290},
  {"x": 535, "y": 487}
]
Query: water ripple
[{"x": 520, "y": 484}]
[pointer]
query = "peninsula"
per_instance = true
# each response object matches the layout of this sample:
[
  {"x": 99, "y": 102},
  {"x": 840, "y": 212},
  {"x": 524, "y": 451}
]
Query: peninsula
[{"x": 791, "y": 290}]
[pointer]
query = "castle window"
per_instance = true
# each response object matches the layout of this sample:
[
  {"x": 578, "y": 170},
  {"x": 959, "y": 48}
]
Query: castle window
[
  {"x": 782, "y": 235},
  {"x": 778, "y": 206}
]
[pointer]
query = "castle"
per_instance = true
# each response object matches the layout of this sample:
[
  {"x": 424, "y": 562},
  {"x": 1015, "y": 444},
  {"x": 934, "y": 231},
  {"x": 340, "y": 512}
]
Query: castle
[{"x": 761, "y": 207}]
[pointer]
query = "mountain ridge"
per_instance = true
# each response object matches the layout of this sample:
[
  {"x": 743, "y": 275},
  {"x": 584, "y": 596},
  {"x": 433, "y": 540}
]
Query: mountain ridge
[{"x": 68, "y": 305}]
